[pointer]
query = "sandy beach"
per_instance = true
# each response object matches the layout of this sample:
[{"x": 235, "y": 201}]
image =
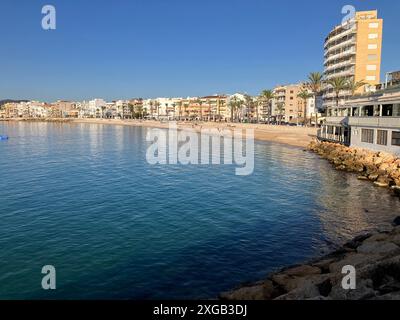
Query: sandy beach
[{"x": 294, "y": 136}]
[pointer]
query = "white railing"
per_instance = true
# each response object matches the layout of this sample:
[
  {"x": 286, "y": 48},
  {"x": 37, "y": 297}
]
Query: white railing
[
  {"x": 339, "y": 45},
  {"x": 337, "y": 119},
  {"x": 345, "y": 73},
  {"x": 343, "y": 93},
  {"x": 383, "y": 122},
  {"x": 340, "y": 55},
  {"x": 340, "y": 35},
  {"x": 340, "y": 65}
]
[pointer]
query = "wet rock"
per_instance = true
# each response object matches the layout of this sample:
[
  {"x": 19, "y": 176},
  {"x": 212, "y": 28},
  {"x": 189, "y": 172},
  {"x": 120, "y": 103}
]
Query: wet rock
[
  {"x": 384, "y": 228},
  {"x": 308, "y": 291},
  {"x": 378, "y": 248},
  {"x": 261, "y": 291},
  {"x": 377, "y": 237},
  {"x": 363, "y": 291},
  {"x": 307, "y": 287},
  {"x": 302, "y": 271},
  {"x": 379, "y": 167},
  {"x": 324, "y": 264},
  {"x": 356, "y": 260},
  {"x": 357, "y": 241}
]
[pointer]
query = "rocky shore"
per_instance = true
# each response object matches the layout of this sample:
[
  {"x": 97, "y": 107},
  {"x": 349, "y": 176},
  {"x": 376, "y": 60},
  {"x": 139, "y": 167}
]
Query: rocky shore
[
  {"x": 374, "y": 255},
  {"x": 383, "y": 169}
]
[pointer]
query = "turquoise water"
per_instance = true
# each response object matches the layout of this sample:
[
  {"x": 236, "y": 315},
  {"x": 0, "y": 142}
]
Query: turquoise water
[{"x": 82, "y": 197}]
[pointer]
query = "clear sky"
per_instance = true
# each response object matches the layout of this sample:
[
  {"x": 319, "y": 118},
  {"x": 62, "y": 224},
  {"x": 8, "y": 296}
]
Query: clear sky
[{"x": 153, "y": 48}]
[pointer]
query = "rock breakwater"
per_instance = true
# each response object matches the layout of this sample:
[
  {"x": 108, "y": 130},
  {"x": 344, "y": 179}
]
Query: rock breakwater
[
  {"x": 375, "y": 257},
  {"x": 383, "y": 169}
]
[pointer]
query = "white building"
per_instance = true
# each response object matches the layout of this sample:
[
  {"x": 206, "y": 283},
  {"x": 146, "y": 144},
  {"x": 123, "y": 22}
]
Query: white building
[{"x": 162, "y": 108}]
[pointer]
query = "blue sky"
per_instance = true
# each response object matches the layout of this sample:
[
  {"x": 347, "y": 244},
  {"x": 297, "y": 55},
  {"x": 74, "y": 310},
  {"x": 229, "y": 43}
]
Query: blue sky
[{"x": 148, "y": 48}]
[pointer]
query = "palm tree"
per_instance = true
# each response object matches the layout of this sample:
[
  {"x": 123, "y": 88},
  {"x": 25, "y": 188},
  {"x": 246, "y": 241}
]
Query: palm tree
[
  {"x": 266, "y": 97},
  {"x": 304, "y": 94},
  {"x": 174, "y": 106},
  {"x": 180, "y": 110},
  {"x": 103, "y": 108},
  {"x": 338, "y": 84},
  {"x": 280, "y": 107},
  {"x": 314, "y": 83},
  {"x": 140, "y": 111},
  {"x": 249, "y": 105},
  {"x": 260, "y": 103},
  {"x": 131, "y": 109},
  {"x": 233, "y": 104},
  {"x": 239, "y": 110},
  {"x": 353, "y": 85},
  {"x": 220, "y": 104},
  {"x": 151, "y": 104},
  {"x": 209, "y": 109},
  {"x": 200, "y": 103},
  {"x": 157, "y": 105},
  {"x": 185, "y": 110}
]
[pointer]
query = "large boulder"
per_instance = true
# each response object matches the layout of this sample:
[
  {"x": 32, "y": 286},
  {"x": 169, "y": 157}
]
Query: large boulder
[
  {"x": 378, "y": 248},
  {"x": 260, "y": 291}
]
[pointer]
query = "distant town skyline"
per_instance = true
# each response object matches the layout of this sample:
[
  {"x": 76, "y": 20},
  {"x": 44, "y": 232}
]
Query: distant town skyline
[{"x": 177, "y": 49}]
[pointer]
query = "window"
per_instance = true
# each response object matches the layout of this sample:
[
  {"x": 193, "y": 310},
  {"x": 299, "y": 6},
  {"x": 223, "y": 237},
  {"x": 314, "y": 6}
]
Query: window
[
  {"x": 371, "y": 67},
  {"x": 372, "y": 46},
  {"x": 374, "y": 25},
  {"x": 373, "y": 36},
  {"x": 395, "y": 138},
  {"x": 370, "y": 78},
  {"x": 387, "y": 110},
  {"x": 382, "y": 137},
  {"x": 367, "y": 135},
  {"x": 372, "y": 57},
  {"x": 396, "y": 110}
]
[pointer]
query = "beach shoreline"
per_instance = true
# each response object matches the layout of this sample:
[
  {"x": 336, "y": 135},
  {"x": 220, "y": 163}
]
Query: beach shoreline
[{"x": 293, "y": 136}]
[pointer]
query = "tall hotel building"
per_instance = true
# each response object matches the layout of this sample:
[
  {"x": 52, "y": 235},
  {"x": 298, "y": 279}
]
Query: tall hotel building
[{"x": 353, "y": 50}]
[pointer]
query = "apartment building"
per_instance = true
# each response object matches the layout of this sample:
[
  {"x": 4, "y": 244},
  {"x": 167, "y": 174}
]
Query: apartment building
[
  {"x": 288, "y": 106},
  {"x": 353, "y": 50},
  {"x": 215, "y": 107}
]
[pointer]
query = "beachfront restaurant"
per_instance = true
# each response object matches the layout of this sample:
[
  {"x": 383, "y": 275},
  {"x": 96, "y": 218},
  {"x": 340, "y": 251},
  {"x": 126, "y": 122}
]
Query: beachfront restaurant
[{"x": 367, "y": 121}]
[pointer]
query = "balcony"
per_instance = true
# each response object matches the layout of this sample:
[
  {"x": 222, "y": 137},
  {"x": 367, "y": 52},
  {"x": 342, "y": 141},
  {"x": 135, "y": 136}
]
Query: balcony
[
  {"x": 382, "y": 122},
  {"x": 342, "y": 54},
  {"x": 344, "y": 93},
  {"x": 348, "y": 42},
  {"x": 344, "y": 73},
  {"x": 338, "y": 65},
  {"x": 337, "y": 120},
  {"x": 342, "y": 34}
]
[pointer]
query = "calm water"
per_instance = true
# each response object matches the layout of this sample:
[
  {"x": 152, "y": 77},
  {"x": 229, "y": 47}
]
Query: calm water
[{"x": 81, "y": 197}]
